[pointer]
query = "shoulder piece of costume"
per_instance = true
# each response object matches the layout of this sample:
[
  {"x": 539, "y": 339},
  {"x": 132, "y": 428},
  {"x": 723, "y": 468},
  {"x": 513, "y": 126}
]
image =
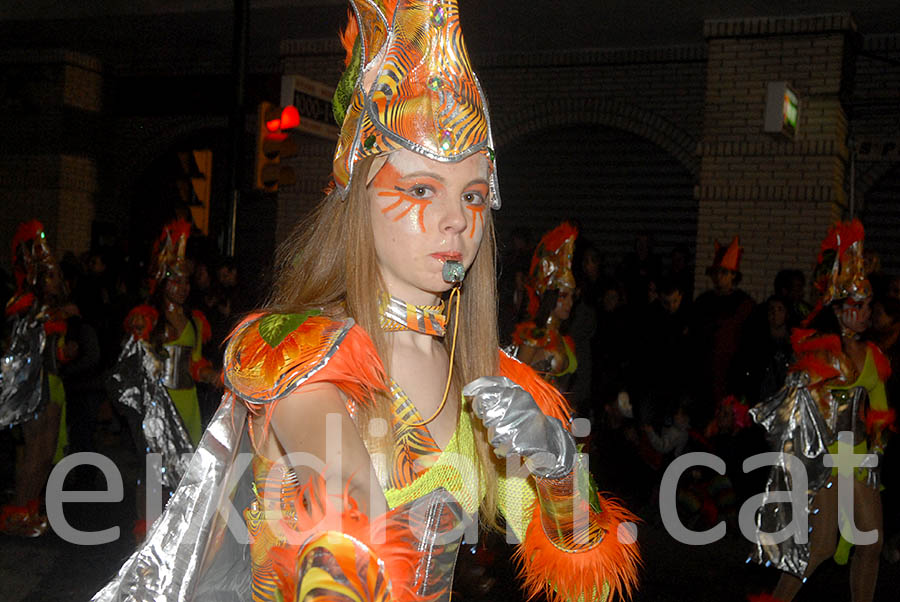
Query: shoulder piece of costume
[
  {"x": 205, "y": 328},
  {"x": 146, "y": 316},
  {"x": 270, "y": 355}
]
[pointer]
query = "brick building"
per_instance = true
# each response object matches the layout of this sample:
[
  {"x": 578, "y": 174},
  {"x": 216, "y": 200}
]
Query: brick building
[{"x": 663, "y": 139}]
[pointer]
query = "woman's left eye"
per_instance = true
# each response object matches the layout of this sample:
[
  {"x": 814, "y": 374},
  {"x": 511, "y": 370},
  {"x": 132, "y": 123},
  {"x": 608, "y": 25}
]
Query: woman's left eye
[{"x": 473, "y": 198}]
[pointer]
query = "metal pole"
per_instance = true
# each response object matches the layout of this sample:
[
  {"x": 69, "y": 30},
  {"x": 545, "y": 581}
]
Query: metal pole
[{"x": 236, "y": 119}]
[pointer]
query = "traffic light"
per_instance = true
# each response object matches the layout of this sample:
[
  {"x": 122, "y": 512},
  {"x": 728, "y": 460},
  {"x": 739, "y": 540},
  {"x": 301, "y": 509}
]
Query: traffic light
[{"x": 273, "y": 143}]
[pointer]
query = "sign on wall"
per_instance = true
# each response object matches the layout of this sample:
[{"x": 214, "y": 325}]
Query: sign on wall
[{"x": 313, "y": 102}]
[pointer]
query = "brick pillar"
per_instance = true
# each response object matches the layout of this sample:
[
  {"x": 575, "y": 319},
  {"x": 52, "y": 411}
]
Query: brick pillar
[{"x": 779, "y": 195}]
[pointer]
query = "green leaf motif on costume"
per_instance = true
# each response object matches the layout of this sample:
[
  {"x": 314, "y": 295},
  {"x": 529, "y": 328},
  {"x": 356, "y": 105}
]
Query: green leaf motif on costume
[
  {"x": 343, "y": 93},
  {"x": 587, "y": 486},
  {"x": 275, "y": 327}
]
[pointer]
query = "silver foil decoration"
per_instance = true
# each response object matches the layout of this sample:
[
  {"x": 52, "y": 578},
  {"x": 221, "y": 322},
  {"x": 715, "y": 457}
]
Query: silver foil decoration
[
  {"x": 136, "y": 383},
  {"x": 22, "y": 394},
  {"x": 197, "y": 550},
  {"x": 796, "y": 425},
  {"x": 517, "y": 425}
]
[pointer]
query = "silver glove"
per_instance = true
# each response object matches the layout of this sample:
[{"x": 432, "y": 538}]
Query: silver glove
[{"x": 516, "y": 425}]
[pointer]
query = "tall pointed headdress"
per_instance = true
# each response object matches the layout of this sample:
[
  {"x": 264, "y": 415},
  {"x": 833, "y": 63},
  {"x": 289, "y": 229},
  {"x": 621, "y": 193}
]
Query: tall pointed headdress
[
  {"x": 169, "y": 252},
  {"x": 551, "y": 264},
  {"x": 840, "y": 272},
  {"x": 30, "y": 254},
  {"x": 409, "y": 84},
  {"x": 727, "y": 257}
]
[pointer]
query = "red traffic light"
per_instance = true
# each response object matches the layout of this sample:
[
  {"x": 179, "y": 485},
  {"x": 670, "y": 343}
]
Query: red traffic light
[{"x": 288, "y": 120}]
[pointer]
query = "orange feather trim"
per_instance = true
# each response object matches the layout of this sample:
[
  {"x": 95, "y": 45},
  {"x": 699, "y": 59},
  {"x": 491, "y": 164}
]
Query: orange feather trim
[
  {"x": 52, "y": 327},
  {"x": 841, "y": 237},
  {"x": 564, "y": 576},
  {"x": 20, "y": 304},
  {"x": 199, "y": 366},
  {"x": 318, "y": 523},
  {"x": 205, "y": 328},
  {"x": 806, "y": 341},
  {"x": 548, "y": 399},
  {"x": 146, "y": 316},
  {"x": 816, "y": 367},
  {"x": 882, "y": 363},
  {"x": 880, "y": 420}
]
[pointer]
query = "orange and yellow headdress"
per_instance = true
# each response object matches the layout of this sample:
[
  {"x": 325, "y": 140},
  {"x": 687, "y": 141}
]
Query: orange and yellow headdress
[
  {"x": 30, "y": 254},
  {"x": 840, "y": 272},
  {"x": 551, "y": 264},
  {"x": 169, "y": 252},
  {"x": 408, "y": 84}
]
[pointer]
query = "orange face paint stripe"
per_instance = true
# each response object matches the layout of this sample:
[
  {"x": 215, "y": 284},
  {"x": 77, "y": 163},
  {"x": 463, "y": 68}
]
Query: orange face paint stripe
[
  {"x": 477, "y": 214},
  {"x": 402, "y": 196}
]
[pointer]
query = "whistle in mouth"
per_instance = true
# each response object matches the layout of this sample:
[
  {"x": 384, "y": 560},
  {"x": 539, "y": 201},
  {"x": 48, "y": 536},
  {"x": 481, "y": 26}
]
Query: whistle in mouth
[{"x": 453, "y": 272}]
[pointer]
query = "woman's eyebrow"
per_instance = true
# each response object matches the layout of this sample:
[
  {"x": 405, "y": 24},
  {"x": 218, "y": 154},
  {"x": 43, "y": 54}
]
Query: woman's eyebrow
[{"x": 428, "y": 174}]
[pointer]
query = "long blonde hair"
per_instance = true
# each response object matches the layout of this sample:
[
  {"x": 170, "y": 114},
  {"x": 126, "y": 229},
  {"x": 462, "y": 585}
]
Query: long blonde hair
[{"x": 328, "y": 262}]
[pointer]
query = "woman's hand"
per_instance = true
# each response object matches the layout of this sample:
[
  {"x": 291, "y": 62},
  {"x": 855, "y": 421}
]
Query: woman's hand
[{"x": 516, "y": 425}]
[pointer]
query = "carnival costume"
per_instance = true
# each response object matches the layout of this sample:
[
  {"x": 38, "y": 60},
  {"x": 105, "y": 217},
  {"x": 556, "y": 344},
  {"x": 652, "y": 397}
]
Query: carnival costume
[
  {"x": 409, "y": 85},
  {"x": 824, "y": 394},
  {"x": 159, "y": 384},
  {"x": 30, "y": 364},
  {"x": 551, "y": 270}
]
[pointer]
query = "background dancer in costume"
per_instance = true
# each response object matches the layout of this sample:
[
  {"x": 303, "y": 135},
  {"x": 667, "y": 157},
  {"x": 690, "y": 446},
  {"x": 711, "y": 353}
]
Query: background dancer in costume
[
  {"x": 551, "y": 293},
  {"x": 836, "y": 384},
  {"x": 31, "y": 388},
  {"x": 383, "y": 309},
  {"x": 170, "y": 335}
]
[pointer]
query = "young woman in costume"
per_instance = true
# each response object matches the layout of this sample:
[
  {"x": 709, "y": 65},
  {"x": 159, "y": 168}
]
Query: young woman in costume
[
  {"x": 160, "y": 363},
  {"x": 379, "y": 403},
  {"x": 551, "y": 293},
  {"x": 836, "y": 385},
  {"x": 31, "y": 390}
]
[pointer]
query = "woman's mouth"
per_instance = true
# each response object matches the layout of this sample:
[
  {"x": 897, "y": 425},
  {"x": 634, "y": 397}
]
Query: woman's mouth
[{"x": 448, "y": 256}]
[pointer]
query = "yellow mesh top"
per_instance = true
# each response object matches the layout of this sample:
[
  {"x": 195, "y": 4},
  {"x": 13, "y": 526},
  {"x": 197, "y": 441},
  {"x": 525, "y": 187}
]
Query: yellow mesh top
[{"x": 456, "y": 470}]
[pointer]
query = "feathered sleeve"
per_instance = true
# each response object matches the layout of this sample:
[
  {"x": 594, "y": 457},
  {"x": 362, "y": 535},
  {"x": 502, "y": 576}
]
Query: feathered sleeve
[
  {"x": 199, "y": 363},
  {"x": 575, "y": 542},
  {"x": 879, "y": 415},
  {"x": 269, "y": 356},
  {"x": 203, "y": 324}
]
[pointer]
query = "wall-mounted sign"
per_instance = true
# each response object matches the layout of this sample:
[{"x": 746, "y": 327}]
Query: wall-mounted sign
[
  {"x": 313, "y": 102},
  {"x": 782, "y": 110}
]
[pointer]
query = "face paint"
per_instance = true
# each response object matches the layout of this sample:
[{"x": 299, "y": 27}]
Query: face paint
[
  {"x": 477, "y": 216},
  {"x": 403, "y": 195}
]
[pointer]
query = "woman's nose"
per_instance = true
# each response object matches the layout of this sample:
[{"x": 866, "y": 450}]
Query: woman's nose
[{"x": 453, "y": 219}]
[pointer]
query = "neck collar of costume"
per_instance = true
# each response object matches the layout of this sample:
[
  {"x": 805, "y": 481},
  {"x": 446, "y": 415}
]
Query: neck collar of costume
[{"x": 396, "y": 314}]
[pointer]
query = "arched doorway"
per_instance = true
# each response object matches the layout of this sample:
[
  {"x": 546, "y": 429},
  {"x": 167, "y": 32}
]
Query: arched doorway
[{"x": 615, "y": 183}]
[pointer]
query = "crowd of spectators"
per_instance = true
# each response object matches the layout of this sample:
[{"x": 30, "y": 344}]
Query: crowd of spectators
[{"x": 662, "y": 371}]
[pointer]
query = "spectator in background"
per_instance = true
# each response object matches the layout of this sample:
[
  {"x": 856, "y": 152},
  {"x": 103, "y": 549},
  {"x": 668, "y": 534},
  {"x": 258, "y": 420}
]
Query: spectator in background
[
  {"x": 583, "y": 325},
  {"x": 681, "y": 274},
  {"x": 761, "y": 364},
  {"x": 718, "y": 317},
  {"x": 790, "y": 287},
  {"x": 886, "y": 333},
  {"x": 639, "y": 268},
  {"x": 511, "y": 283}
]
